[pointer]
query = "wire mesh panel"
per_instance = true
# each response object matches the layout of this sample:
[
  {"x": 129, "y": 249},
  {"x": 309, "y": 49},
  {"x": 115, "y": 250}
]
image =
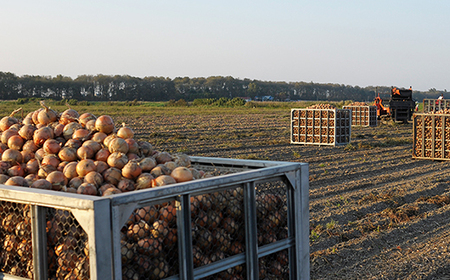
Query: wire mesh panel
[
  {"x": 16, "y": 256},
  {"x": 213, "y": 228}
]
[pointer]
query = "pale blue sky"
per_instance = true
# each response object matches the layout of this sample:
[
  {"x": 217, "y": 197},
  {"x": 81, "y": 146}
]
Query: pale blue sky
[{"x": 357, "y": 43}]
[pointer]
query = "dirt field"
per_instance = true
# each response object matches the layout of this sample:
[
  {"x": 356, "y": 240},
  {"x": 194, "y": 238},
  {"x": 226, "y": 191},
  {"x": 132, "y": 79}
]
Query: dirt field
[{"x": 375, "y": 213}]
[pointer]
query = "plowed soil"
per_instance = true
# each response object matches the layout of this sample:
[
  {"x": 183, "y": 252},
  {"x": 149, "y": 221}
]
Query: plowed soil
[{"x": 375, "y": 212}]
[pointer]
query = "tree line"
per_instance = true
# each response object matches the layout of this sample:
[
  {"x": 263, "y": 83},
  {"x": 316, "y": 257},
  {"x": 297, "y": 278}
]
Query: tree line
[{"x": 124, "y": 87}]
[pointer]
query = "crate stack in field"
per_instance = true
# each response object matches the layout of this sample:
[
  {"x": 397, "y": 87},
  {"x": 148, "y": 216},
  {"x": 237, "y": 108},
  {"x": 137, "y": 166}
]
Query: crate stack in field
[
  {"x": 321, "y": 124},
  {"x": 363, "y": 114},
  {"x": 431, "y": 135},
  {"x": 434, "y": 105}
]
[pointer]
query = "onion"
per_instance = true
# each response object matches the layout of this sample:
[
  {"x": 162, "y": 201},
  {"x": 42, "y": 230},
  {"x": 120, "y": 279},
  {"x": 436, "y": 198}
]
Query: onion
[
  {"x": 68, "y": 116},
  {"x": 52, "y": 160},
  {"x": 132, "y": 156},
  {"x": 94, "y": 178},
  {"x": 99, "y": 137},
  {"x": 163, "y": 157},
  {"x": 111, "y": 191},
  {"x": 40, "y": 154},
  {"x": 85, "y": 152},
  {"x": 144, "y": 181},
  {"x": 125, "y": 132},
  {"x": 145, "y": 148},
  {"x": 3, "y": 147},
  {"x": 57, "y": 179},
  {"x": 58, "y": 130},
  {"x": 3, "y": 178},
  {"x": 102, "y": 155},
  {"x": 101, "y": 166},
  {"x": 80, "y": 134},
  {"x": 95, "y": 146},
  {"x": 7, "y": 122},
  {"x": 73, "y": 143},
  {"x": 30, "y": 146},
  {"x": 84, "y": 118},
  {"x": 171, "y": 165},
  {"x": 16, "y": 170},
  {"x": 108, "y": 139},
  {"x": 7, "y": 134},
  {"x": 182, "y": 174},
  {"x": 31, "y": 178},
  {"x": 162, "y": 181},
  {"x": 27, "y": 131},
  {"x": 133, "y": 146},
  {"x": 182, "y": 160},
  {"x": 85, "y": 166},
  {"x": 160, "y": 170},
  {"x": 131, "y": 170},
  {"x": 68, "y": 154},
  {"x": 4, "y": 166},
  {"x": 16, "y": 181},
  {"x": 51, "y": 146},
  {"x": 112, "y": 175},
  {"x": 104, "y": 124},
  {"x": 70, "y": 170},
  {"x": 90, "y": 125},
  {"x": 35, "y": 114},
  {"x": 47, "y": 115},
  {"x": 15, "y": 142},
  {"x": 118, "y": 145},
  {"x": 70, "y": 128},
  {"x": 75, "y": 182},
  {"x": 44, "y": 170},
  {"x": 147, "y": 163},
  {"x": 41, "y": 135},
  {"x": 87, "y": 189},
  {"x": 12, "y": 156},
  {"x": 126, "y": 185},
  {"x": 117, "y": 160},
  {"x": 32, "y": 166},
  {"x": 27, "y": 155},
  {"x": 104, "y": 187}
]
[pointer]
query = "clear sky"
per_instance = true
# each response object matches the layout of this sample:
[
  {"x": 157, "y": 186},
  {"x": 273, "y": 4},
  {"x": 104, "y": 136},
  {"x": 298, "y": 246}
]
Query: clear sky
[{"x": 357, "y": 43}]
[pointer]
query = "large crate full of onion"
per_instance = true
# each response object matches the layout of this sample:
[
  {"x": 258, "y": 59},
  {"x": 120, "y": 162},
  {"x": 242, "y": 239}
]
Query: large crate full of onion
[
  {"x": 431, "y": 135},
  {"x": 321, "y": 126},
  {"x": 434, "y": 105},
  {"x": 363, "y": 114},
  {"x": 247, "y": 220}
]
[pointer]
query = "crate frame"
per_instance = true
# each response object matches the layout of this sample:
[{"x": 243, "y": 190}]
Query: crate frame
[
  {"x": 360, "y": 116},
  {"x": 98, "y": 215},
  {"x": 336, "y": 126},
  {"x": 433, "y": 139},
  {"x": 433, "y": 105}
]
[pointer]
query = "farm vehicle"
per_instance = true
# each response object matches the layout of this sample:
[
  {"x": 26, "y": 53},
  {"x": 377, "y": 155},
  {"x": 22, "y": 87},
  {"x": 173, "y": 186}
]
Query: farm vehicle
[{"x": 398, "y": 107}]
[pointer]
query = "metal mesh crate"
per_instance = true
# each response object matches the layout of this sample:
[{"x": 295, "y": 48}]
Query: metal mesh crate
[
  {"x": 363, "y": 115},
  {"x": 233, "y": 226},
  {"x": 433, "y": 105},
  {"x": 431, "y": 136},
  {"x": 321, "y": 126}
]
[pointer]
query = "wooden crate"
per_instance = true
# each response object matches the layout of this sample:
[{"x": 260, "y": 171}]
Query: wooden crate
[
  {"x": 431, "y": 136},
  {"x": 434, "y": 105},
  {"x": 321, "y": 126},
  {"x": 363, "y": 115}
]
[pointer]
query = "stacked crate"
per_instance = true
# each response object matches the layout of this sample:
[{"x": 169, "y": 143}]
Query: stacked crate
[
  {"x": 363, "y": 115},
  {"x": 431, "y": 135},
  {"x": 321, "y": 126},
  {"x": 434, "y": 105}
]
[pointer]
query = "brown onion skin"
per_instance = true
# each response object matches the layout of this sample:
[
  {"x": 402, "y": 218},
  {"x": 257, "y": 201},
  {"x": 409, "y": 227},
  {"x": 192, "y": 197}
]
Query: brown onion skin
[
  {"x": 85, "y": 117},
  {"x": 68, "y": 116},
  {"x": 51, "y": 146},
  {"x": 47, "y": 116},
  {"x": 112, "y": 175},
  {"x": 69, "y": 129},
  {"x": 16, "y": 181},
  {"x": 101, "y": 166},
  {"x": 131, "y": 170},
  {"x": 70, "y": 170},
  {"x": 15, "y": 142},
  {"x": 104, "y": 124},
  {"x": 68, "y": 154},
  {"x": 85, "y": 166},
  {"x": 12, "y": 156},
  {"x": 27, "y": 131},
  {"x": 7, "y": 122},
  {"x": 182, "y": 174},
  {"x": 87, "y": 189},
  {"x": 57, "y": 179},
  {"x": 16, "y": 170},
  {"x": 118, "y": 145},
  {"x": 111, "y": 191},
  {"x": 75, "y": 182},
  {"x": 80, "y": 134},
  {"x": 99, "y": 137},
  {"x": 125, "y": 132},
  {"x": 102, "y": 155},
  {"x": 85, "y": 152},
  {"x": 52, "y": 160},
  {"x": 162, "y": 181},
  {"x": 27, "y": 155},
  {"x": 94, "y": 178},
  {"x": 117, "y": 160},
  {"x": 95, "y": 146},
  {"x": 32, "y": 166},
  {"x": 41, "y": 135},
  {"x": 73, "y": 143},
  {"x": 126, "y": 185},
  {"x": 7, "y": 134},
  {"x": 30, "y": 146}
]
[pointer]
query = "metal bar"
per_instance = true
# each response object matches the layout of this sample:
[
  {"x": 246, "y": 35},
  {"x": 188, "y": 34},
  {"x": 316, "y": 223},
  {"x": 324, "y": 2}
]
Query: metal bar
[
  {"x": 251, "y": 244},
  {"x": 39, "y": 241},
  {"x": 185, "y": 257}
]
